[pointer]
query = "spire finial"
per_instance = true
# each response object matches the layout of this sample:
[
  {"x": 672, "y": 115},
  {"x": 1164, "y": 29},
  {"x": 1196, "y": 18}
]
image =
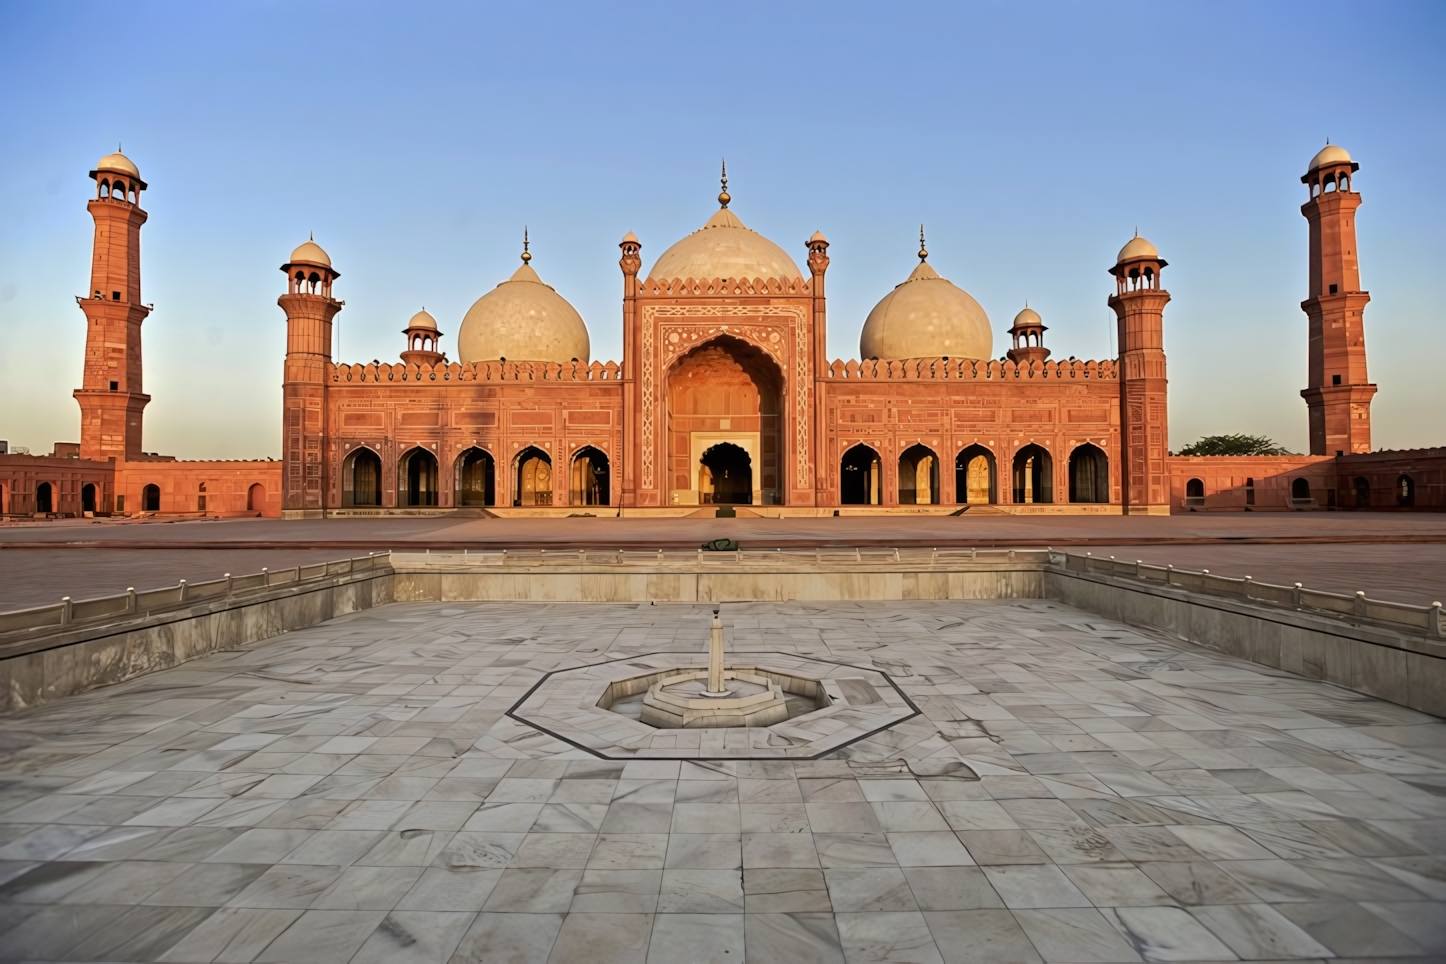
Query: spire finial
[
  {"x": 311, "y": 235},
  {"x": 723, "y": 197},
  {"x": 526, "y": 256},
  {"x": 923, "y": 251}
]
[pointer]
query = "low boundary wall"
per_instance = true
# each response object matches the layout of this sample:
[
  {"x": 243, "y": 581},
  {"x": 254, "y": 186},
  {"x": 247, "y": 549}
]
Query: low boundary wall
[{"x": 1387, "y": 650}]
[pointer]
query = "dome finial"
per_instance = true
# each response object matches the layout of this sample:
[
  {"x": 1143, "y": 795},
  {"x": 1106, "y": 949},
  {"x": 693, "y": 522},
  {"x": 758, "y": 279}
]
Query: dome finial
[
  {"x": 526, "y": 256},
  {"x": 723, "y": 197},
  {"x": 923, "y": 251}
]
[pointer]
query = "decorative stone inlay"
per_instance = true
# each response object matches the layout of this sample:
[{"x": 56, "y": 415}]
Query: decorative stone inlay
[{"x": 572, "y": 705}]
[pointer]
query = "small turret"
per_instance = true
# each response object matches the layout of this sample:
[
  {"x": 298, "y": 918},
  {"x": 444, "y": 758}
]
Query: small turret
[
  {"x": 422, "y": 338},
  {"x": 1028, "y": 333}
]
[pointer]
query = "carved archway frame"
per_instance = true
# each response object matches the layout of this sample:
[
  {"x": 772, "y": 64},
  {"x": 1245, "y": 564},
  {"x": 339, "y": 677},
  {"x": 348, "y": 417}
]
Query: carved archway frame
[{"x": 786, "y": 341}]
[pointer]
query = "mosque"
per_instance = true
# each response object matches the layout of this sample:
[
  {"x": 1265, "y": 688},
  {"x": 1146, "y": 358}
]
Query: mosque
[{"x": 724, "y": 397}]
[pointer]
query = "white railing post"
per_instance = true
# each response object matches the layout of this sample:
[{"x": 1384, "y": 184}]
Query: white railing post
[
  {"x": 67, "y": 610},
  {"x": 229, "y": 582},
  {"x": 130, "y": 599},
  {"x": 1438, "y": 620},
  {"x": 1360, "y": 602},
  {"x": 1245, "y": 588},
  {"x": 1298, "y": 597},
  {"x": 265, "y": 577},
  {"x": 183, "y": 590}
]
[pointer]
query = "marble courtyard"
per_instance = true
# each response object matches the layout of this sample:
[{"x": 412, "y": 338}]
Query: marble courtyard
[{"x": 1063, "y": 789}]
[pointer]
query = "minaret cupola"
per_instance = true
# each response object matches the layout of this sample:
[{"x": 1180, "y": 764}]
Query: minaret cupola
[
  {"x": 422, "y": 338},
  {"x": 1028, "y": 333}
]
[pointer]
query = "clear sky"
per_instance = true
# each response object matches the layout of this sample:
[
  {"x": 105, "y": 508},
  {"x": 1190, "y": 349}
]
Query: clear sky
[{"x": 417, "y": 139}]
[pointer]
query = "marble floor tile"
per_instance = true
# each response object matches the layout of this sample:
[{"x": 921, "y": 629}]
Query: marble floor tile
[
  {"x": 1425, "y": 923},
  {"x": 704, "y": 938},
  {"x": 854, "y": 850},
  {"x": 860, "y": 889},
  {"x": 951, "y": 888},
  {"x": 629, "y": 851},
  {"x": 980, "y": 937},
  {"x": 617, "y": 892},
  {"x": 1350, "y": 930},
  {"x": 933, "y": 849},
  {"x": 533, "y": 891},
  {"x": 296, "y": 885},
  {"x": 1002, "y": 847},
  {"x": 1258, "y": 931},
  {"x": 701, "y": 892},
  {"x": 323, "y": 936},
  {"x": 1166, "y": 934},
  {"x": 603, "y": 939},
  {"x": 1074, "y": 935},
  {"x": 778, "y": 850},
  {"x": 513, "y": 938},
  {"x": 555, "y": 850},
  {"x": 367, "y": 888},
  {"x": 899, "y": 936},
  {"x": 1034, "y": 885},
  {"x": 702, "y": 851},
  {"x": 414, "y": 937},
  {"x": 232, "y": 934},
  {"x": 142, "y": 933},
  {"x": 792, "y": 938},
  {"x": 1116, "y": 885},
  {"x": 785, "y": 891},
  {"x": 437, "y": 888}
]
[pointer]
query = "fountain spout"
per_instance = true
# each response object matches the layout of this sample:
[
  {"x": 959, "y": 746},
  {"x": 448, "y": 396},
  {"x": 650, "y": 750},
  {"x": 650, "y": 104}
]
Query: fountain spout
[{"x": 715, "y": 659}]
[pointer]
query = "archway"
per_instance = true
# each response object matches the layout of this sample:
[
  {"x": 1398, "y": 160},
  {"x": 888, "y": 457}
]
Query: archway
[
  {"x": 1089, "y": 474},
  {"x": 476, "y": 478},
  {"x": 1194, "y": 489},
  {"x": 861, "y": 476},
  {"x": 1405, "y": 491},
  {"x": 87, "y": 497},
  {"x": 918, "y": 476},
  {"x": 256, "y": 497},
  {"x": 1363, "y": 493},
  {"x": 974, "y": 476},
  {"x": 44, "y": 498},
  {"x": 725, "y": 476},
  {"x": 725, "y": 391},
  {"x": 361, "y": 479},
  {"x": 534, "y": 477},
  {"x": 1300, "y": 489},
  {"x": 151, "y": 498},
  {"x": 417, "y": 478},
  {"x": 589, "y": 477},
  {"x": 1033, "y": 475}
]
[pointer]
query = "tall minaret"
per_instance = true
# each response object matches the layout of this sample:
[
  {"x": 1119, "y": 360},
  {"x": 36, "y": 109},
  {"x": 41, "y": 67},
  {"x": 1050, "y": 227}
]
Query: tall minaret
[
  {"x": 309, "y": 309},
  {"x": 1139, "y": 303},
  {"x": 111, "y": 397},
  {"x": 1339, "y": 396}
]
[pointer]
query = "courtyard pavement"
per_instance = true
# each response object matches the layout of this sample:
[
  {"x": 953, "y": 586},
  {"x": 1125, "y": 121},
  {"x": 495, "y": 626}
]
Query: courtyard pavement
[{"x": 1073, "y": 790}]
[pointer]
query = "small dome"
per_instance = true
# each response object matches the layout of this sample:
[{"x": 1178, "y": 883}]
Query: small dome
[
  {"x": 927, "y": 317},
  {"x": 1028, "y": 318},
  {"x": 1137, "y": 248},
  {"x": 523, "y": 319},
  {"x": 630, "y": 238},
  {"x": 117, "y": 163},
  {"x": 1330, "y": 154},
  {"x": 422, "y": 319},
  {"x": 309, "y": 252},
  {"x": 724, "y": 248}
]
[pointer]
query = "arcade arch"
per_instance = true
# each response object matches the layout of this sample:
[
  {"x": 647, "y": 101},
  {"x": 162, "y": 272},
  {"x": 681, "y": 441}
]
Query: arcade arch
[
  {"x": 361, "y": 479},
  {"x": 476, "y": 483},
  {"x": 534, "y": 477},
  {"x": 861, "y": 476},
  {"x": 975, "y": 481},
  {"x": 918, "y": 476},
  {"x": 589, "y": 477},
  {"x": 1033, "y": 475},
  {"x": 1089, "y": 474},
  {"x": 417, "y": 478}
]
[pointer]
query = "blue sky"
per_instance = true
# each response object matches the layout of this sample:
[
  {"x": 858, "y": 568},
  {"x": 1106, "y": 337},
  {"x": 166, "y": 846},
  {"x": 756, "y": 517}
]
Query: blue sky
[{"x": 417, "y": 139}]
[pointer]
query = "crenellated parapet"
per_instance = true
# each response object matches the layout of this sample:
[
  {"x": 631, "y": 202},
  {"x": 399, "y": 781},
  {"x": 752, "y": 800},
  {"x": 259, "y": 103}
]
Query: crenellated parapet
[
  {"x": 722, "y": 287},
  {"x": 487, "y": 371},
  {"x": 967, "y": 369}
]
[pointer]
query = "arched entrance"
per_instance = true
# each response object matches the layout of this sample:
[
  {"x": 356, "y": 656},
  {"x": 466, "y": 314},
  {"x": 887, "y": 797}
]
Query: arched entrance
[
  {"x": 418, "y": 477},
  {"x": 1363, "y": 493},
  {"x": 476, "y": 478},
  {"x": 725, "y": 476},
  {"x": 1300, "y": 490},
  {"x": 151, "y": 498},
  {"x": 589, "y": 477},
  {"x": 256, "y": 497},
  {"x": 1405, "y": 491},
  {"x": 974, "y": 476},
  {"x": 1033, "y": 475},
  {"x": 534, "y": 477},
  {"x": 724, "y": 391},
  {"x": 44, "y": 498},
  {"x": 918, "y": 476},
  {"x": 361, "y": 479},
  {"x": 861, "y": 476},
  {"x": 1089, "y": 474},
  {"x": 87, "y": 497}
]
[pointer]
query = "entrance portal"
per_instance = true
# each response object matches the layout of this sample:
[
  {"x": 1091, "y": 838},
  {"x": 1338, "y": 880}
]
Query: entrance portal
[
  {"x": 726, "y": 476},
  {"x": 534, "y": 477}
]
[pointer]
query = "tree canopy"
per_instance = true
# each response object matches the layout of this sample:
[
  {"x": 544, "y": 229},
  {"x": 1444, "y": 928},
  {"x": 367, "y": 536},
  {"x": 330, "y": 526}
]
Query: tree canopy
[{"x": 1235, "y": 445}]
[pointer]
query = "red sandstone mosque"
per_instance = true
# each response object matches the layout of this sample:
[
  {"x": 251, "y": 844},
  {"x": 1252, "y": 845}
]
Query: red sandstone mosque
[{"x": 724, "y": 396}]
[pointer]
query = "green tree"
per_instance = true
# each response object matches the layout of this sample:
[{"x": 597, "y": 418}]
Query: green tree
[{"x": 1235, "y": 445}]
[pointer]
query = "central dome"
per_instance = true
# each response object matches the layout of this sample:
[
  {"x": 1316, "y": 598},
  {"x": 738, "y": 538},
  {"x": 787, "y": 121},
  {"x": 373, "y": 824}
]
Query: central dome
[
  {"x": 724, "y": 248},
  {"x": 927, "y": 317},
  {"x": 523, "y": 319}
]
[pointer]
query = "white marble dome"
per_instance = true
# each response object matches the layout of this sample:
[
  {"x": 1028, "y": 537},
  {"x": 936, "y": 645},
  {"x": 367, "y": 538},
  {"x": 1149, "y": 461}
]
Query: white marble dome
[
  {"x": 724, "y": 248},
  {"x": 523, "y": 319},
  {"x": 927, "y": 317}
]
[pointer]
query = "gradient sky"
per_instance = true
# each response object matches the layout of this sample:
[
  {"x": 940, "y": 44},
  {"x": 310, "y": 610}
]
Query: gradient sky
[{"x": 417, "y": 139}]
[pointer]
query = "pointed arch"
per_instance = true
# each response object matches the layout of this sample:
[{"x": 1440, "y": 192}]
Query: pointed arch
[
  {"x": 533, "y": 475},
  {"x": 417, "y": 478},
  {"x": 476, "y": 482},
  {"x": 1089, "y": 474},
  {"x": 1033, "y": 475},
  {"x": 361, "y": 478},
  {"x": 918, "y": 476},
  {"x": 860, "y": 477},
  {"x": 976, "y": 476},
  {"x": 589, "y": 477}
]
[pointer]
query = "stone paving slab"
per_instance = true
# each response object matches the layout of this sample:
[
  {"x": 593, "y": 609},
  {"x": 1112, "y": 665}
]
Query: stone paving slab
[{"x": 1074, "y": 790}]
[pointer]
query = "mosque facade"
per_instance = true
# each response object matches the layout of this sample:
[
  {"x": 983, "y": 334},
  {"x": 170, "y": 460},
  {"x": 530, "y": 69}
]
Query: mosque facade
[{"x": 724, "y": 396}]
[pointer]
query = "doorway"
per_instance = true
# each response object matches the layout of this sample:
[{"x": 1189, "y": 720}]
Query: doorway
[
  {"x": 419, "y": 478},
  {"x": 476, "y": 478},
  {"x": 860, "y": 477},
  {"x": 974, "y": 476},
  {"x": 1033, "y": 475},
  {"x": 44, "y": 498},
  {"x": 725, "y": 476},
  {"x": 534, "y": 477},
  {"x": 589, "y": 477}
]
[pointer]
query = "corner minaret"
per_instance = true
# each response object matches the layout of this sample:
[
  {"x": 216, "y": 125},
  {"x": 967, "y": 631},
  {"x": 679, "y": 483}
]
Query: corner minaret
[
  {"x": 111, "y": 397},
  {"x": 1139, "y": 304},
  {"x": 309, "y": 309},
  {"x": 1339, "y": 394}
]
